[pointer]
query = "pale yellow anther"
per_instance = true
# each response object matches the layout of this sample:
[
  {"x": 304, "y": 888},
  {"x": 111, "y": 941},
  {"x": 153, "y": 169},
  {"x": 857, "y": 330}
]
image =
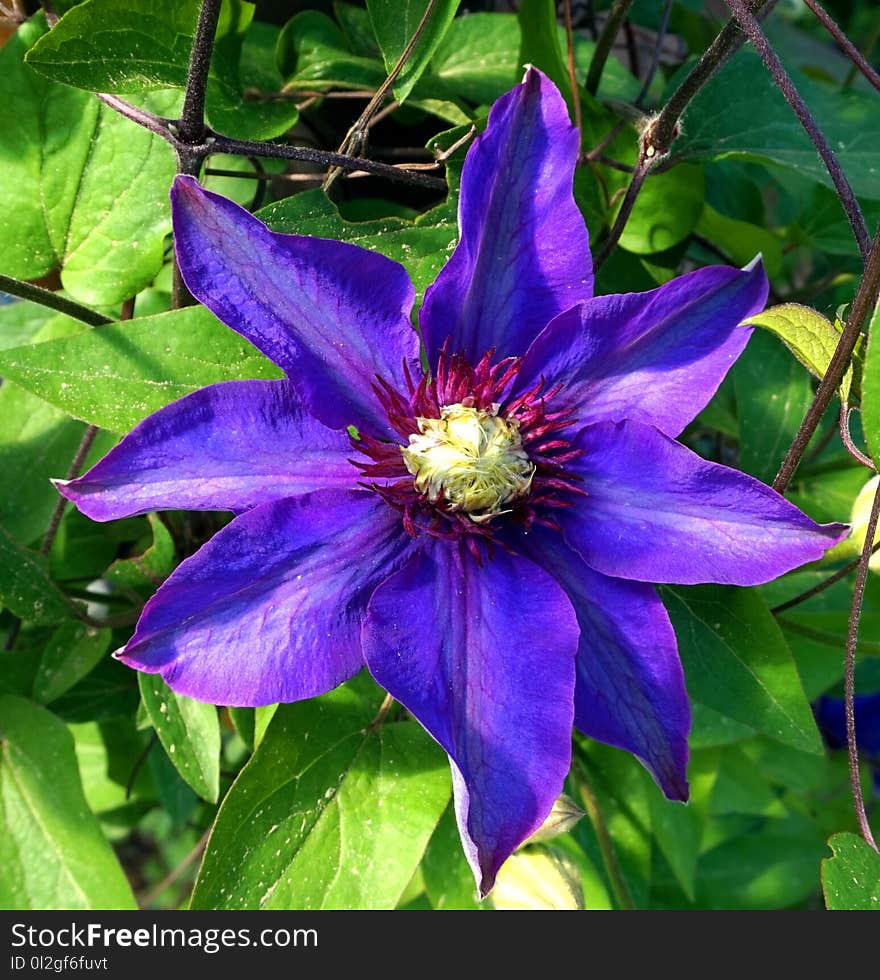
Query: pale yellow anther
[{"x": 472, "y": 459}]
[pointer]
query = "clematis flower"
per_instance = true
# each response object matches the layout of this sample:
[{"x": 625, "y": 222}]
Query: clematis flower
[
  {"x": 830, "y": 715},
  {"x": 487, "y": 540}
]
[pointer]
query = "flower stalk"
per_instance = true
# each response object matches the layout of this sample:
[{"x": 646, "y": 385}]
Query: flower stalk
[
  {"x": 619, "y": 10},
  {"x": 619, "y": 886},
  {"x": 864, "y": 302},
  {"x": 850, "y": 205},
  {"x": 53, "y": 301},
  {"x": 850, "y": 672},
  {"x": 191, "y": 126},
  {"x": 848, "y": 48}
]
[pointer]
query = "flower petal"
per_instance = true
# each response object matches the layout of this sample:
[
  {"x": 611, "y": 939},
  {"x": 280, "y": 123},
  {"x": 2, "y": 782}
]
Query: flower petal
[
  {"x": 484, "y": 658},
  {"x": 655, "y": 357},
  {"x": 332, "y": 315},
  {"x": 630, "y": 685},
  {"x": 230, "y": 446},
  {"x": 523, "y": 255},
  {"x": 270, "y": 609},
  {"x": 657, "y": 512}
]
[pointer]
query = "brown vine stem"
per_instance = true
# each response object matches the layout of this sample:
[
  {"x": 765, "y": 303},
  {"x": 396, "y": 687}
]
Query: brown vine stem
[
  {"x": 45, "y": 297},
  {"x": 49, "y": 11},
  {"x": 357, "y": 133},
  {"x": 217, "y": 143},
  {"x": 76, "y": 464},
  {"x": 15, "y": 14},
  {"x": 72, "y": 473},
  {"x": 189, "y": 130},
  {"x": 864, "y": 302},
  {"x": 828, "y": 638},
  {"x": 662, "y": 129},
  {"x": 870, "y": 45},
  {"x": 729, "y": 40},
  {"x": 149, "y": 897},
  {"x": 280, "y": 151},
  {"x": 640, "y": 172},
  {"x": 850, "y": 205},
  {"x": 655, "y": 54},
  {"x": 191, "y": 125},
  {"x": 384, "y": 708},
  {"x": 821, "y": 586},
  {"x": 619, "y": 10},
  {"x": 572, "y": 74},
  {"x": 156, "y": 124},
  {"x": 844, "y": 43},
  {"x": 849, "y": 682},
  {"x": 847, "y": 439}
]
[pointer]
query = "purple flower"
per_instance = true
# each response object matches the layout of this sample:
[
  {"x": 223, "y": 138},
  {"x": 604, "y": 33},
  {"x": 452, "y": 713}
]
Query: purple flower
[
  {"x": 485, "y": 542},
  {"x": 830, "y": 715}
]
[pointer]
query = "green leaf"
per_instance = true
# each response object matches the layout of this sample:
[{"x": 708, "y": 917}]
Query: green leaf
[
  {"x": 666, "y": 211},
  {"x": 540, "y": 44},
  {"x": 477, "y": 59},
  {"x": 677, "y": 830},
  {"x": 176, "y": 798},
  {"x": 543, "y": 45},
  {"x": 710, "y": 728},
  {"x": 328, "y": 813},
  {"x": 25, "y": 587},
  {"x": 826, "y": 225},
  {"x": 84, "y": 189},
  {"x": 188, "y": 730},
  {"x": 741, "y": 788},
  {"x": 18, "y": 666},
  {"x": 736, "y": 661},
  {"x": 52, "y": 851},
  {"x": 357, "y": 28},
  {"x": 395, "y": 23},
  {"x": 244, "y": 721},
  {"x": 83, "y": 548},
  {"x": 623, "y": 789},
  {"x": 314, "y": 54},
  {"x": 141, "y": 575},
  {"x": 722, "y": 122},
  {"x": 829, "y": 496},
  {"x": 767, "y": 869},
  {"x": 422, "y": 247},
  {"x": 21, "y": 321},
  {"x": 114, "y": 376},
  {"x": 871, "y": 387},
  {"x": 262, "y": 717},
  {"x": 37, "y": 442},
  {"x": 741, "y": 240},
  {"x": 107, "y": 754},
  {"x": 772, "y": 394},
  {"x": 245, "y": 115},
  {"x": 811, "y": 337},
  {"x": 71, "y": 653},
  {"x": 123, "y": 46},
  {"x": 802, "y": 772},
  {"x": 448, "y": 879},
  {"x": 616, "y": 83},
  {"x": 108, "y": 691},
  {"x": 851, "y": 879}
]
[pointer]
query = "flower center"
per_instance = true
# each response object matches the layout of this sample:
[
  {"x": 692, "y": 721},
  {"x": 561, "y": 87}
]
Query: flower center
[{"x": 471, "y": 459}]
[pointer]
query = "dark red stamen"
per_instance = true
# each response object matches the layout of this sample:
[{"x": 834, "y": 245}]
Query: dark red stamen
[{"x": 482, "y": 387}]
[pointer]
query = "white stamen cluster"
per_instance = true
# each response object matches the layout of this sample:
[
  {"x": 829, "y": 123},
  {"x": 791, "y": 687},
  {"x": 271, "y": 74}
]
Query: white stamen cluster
[{"x": 470, "y": 458}]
